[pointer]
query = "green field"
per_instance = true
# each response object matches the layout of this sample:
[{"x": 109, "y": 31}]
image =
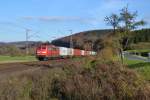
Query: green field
[
  {"x": 132, "y": 62},
  {"x": 142, "y": 50},
  {"x": 141, "y": 67},
  {"x": 9, "y": 59}
]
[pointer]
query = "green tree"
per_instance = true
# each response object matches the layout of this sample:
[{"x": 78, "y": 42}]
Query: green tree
[
  {"x": 126, "y": 23},
  {"x": 129, "y": 24}
]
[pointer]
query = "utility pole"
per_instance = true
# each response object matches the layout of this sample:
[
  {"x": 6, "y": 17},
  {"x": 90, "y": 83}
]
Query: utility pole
[
  {"x": 92, "y": 45},
  {"x": 27, "y": 40},
  {"x": 71, "y": 40}
]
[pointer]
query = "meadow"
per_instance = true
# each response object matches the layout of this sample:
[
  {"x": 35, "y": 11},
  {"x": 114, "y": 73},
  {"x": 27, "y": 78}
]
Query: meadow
[
  {"x": 143, "y": 68},
  {"x": 9, "y": 59}
]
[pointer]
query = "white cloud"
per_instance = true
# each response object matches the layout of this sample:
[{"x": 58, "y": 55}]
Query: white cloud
[
  {"x": 61, "y": 19},
  {"x": 28, "y": 17}
]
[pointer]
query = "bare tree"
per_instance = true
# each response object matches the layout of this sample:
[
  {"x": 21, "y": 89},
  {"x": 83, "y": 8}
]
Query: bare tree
[{"x": 113, "y": 20}]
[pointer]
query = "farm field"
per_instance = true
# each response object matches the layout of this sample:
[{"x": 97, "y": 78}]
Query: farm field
[{"x": 10, "y": 59}]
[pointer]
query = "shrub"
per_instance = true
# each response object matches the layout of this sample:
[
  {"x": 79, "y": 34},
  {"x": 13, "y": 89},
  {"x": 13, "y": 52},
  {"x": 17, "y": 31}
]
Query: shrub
[
  {"x": 14, "y": 89},
  {"x": 29, "y": 86},
  {"x": 74, "y": 81},
  {"x": 109, "y": 81}
]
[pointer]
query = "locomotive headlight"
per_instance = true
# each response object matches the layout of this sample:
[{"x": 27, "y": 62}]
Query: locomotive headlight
[{"x": 43, "y": 52}]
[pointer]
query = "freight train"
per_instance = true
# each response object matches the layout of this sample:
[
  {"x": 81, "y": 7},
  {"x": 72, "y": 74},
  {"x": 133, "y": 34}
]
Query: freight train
[{"x": 48, "y": 51}]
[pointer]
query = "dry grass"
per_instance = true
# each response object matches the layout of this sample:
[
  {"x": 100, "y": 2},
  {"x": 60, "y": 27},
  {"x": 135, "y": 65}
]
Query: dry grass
[
  {"x": 76, "y": 81},
  {"x": 104, "y": 82}
]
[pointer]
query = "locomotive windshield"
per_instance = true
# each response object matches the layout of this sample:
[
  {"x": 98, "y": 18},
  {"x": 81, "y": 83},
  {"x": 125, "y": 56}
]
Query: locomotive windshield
[{"x": 41, "y": 47}]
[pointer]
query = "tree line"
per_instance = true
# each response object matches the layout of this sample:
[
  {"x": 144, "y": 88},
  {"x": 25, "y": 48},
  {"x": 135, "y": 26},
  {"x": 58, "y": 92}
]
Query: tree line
[
  {"x": 141, "y": 36},
  {"x": 12, "y": 50}
]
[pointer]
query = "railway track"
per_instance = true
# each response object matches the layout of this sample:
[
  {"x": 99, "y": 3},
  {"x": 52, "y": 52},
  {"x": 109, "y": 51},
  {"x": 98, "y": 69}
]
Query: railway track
[{"x": 10, "y": 69}]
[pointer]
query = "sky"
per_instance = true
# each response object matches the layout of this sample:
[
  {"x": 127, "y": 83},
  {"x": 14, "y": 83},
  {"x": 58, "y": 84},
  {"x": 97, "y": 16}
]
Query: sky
[{"x": 51, "y": 19}]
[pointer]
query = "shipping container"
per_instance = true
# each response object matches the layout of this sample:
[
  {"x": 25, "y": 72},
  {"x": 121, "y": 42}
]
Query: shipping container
[
  {"x": 70, "y": 52},
  {"x": 63, "y": 51},
  {"x": 82, "y": 52},
  {"x": 50, "y": 51},
  {"x": 93, "y": 53},
  {"x": 77, "y": 52}
]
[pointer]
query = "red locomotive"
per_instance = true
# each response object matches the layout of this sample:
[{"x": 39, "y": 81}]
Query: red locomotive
[{"x": 46, "y": 51}]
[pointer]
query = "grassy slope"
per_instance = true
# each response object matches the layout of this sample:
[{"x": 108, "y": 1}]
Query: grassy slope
[
  {"x": 132, "y": 62},
  {"x": 142, "y": 67},
  {"x": 7, "y": 59}
]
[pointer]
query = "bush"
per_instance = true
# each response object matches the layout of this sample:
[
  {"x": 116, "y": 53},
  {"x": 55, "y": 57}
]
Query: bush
[
  {"x": 14, "y": 89},
  {"x": 33, "y": 86},
  {"x": 103, "y": 82},
  {"x": 75, "y": 81}
]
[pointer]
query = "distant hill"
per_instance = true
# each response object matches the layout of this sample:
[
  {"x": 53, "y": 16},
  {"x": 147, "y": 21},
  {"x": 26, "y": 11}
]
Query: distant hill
[
  {"x": 90, "y": 39},
  {"x": 20, "y": 44},
  {"x": 18, "y": 48},
  {"x": 2, "y": 43},
  {"x": 83, "y": 40}
]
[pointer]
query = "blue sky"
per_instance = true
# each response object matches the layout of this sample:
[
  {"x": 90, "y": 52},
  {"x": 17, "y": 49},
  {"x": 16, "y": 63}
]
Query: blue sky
[{"x": 51, "y": 19}]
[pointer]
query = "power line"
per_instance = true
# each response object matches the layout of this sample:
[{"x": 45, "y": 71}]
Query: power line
[{"x": 27, "y": 35}]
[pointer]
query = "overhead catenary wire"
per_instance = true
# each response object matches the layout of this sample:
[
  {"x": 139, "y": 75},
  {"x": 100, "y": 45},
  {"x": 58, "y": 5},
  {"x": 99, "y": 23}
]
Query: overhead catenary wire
[{"x": 27, "y": 34}]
